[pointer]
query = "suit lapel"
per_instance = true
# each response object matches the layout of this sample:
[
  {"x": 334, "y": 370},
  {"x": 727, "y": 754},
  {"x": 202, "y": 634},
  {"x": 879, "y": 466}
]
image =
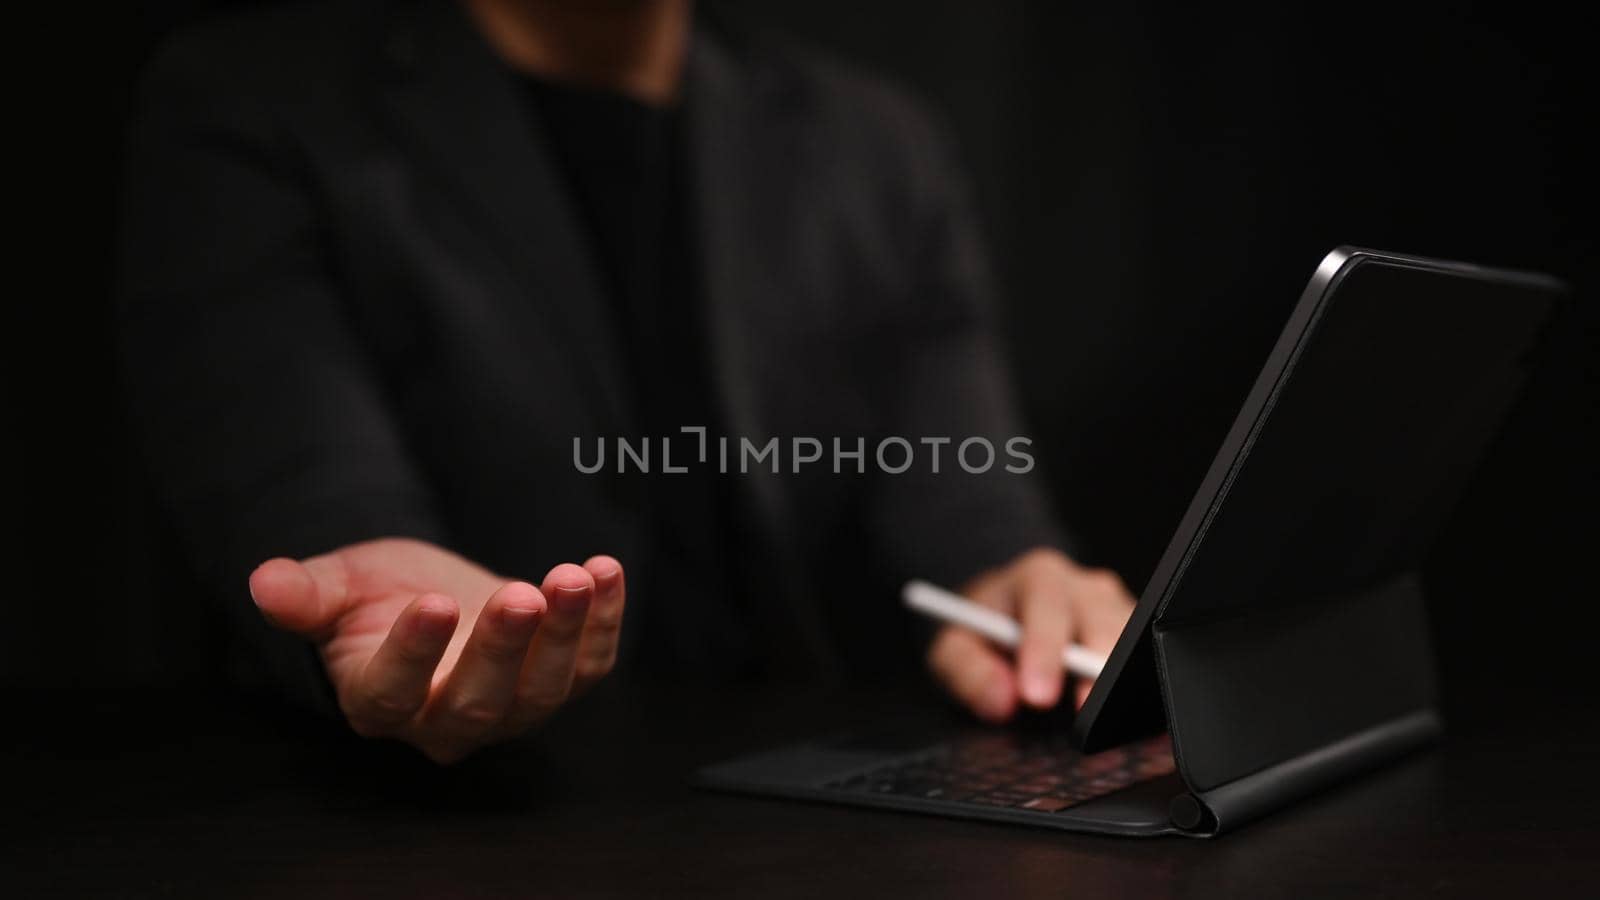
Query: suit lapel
[{"x": 459, "y": 106}]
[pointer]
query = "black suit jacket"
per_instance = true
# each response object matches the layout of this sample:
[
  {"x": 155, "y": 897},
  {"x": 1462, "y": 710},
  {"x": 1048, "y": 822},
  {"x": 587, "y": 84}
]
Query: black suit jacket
[{"x": 357, "y": 303}]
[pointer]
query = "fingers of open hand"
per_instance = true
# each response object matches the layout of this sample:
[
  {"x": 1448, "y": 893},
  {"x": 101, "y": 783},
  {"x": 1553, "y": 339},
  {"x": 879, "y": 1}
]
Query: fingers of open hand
[
  {"x": 597, "y": 648},
  {"x": 477, "y": 699},
  {"x": 545, "y": 679},
  {"x": 528, "y": 649},
  {"x": 300, "y": 597},
  {"x": 394, "y": 685}
]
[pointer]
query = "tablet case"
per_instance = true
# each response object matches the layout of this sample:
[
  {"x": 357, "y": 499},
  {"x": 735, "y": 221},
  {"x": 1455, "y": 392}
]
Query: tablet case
[
  {"x": 1288, "y": 635},
  {"x": 1283, "y": 640}
]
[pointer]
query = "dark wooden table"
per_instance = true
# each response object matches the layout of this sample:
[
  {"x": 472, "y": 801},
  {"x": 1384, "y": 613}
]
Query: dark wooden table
[{"x": 216, "y": 800}]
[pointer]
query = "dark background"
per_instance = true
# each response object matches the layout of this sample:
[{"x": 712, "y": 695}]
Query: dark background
[{"x": 1158, "y": 182}]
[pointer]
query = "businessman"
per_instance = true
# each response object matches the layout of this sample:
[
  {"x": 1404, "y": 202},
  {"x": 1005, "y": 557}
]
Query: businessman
[{"x": 394, "y": 273}]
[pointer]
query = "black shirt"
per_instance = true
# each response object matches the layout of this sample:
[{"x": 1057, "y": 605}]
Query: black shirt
[{"x": 625, "y": 171}]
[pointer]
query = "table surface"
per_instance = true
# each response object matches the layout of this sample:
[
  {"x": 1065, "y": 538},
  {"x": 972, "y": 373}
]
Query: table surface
[{"x": 212, "y": 799}]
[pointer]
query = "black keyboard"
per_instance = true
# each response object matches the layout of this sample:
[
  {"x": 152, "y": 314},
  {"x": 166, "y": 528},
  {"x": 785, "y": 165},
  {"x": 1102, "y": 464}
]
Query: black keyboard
[{"x": 1040, "y": 774}]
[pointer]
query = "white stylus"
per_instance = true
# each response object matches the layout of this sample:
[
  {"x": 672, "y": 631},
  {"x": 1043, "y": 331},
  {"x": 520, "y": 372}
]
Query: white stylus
[{"x": 935, "y": 601}]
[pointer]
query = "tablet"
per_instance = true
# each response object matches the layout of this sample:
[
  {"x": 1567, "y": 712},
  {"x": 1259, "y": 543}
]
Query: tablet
[{"x": 1380, "y": 396}]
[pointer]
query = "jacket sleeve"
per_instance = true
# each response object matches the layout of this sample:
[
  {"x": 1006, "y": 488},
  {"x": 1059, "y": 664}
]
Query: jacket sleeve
[
  {"x": 951, "y": 381},
  {"x": 262, "y": 420}
]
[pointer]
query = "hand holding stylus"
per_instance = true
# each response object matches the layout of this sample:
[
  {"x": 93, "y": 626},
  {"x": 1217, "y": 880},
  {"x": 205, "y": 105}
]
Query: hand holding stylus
[
  {"x": 937, "y": 603},
  {"x": 1053, "y": 604}
]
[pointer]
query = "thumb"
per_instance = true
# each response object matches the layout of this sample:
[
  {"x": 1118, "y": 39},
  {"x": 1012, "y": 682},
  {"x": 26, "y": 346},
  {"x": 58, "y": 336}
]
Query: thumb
[{"x": 301, "y": 598}]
